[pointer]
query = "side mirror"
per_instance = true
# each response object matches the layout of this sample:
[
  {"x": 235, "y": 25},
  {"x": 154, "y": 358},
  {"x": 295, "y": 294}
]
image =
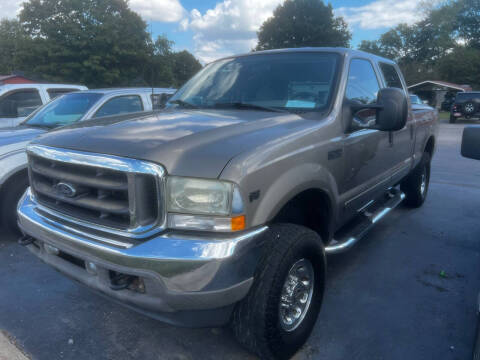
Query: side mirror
[
  {"x": 390, "y": 111},
  {"x": 471, "y": 142}
]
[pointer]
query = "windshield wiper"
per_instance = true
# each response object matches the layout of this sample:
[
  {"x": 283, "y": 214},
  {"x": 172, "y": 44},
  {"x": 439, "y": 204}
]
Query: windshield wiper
[
  {"x": 242, "y": 105},
  {"x": 183, "y": 103},
  {"x": 38, "y": 126}
]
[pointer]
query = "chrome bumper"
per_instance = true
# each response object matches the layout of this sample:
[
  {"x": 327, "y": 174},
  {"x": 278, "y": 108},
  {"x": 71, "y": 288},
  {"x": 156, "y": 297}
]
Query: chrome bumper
[{"x": 181, "y": 272}]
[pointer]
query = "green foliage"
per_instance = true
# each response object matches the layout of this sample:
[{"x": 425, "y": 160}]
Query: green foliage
[
  {"x": 94, "y": 42},
  {"x": 298, "y": 23},
  {"x": 468, "y": 22},
  {"x": 99, "y": 43},
  {"x": 461, "y": 66},
  {"x": 11, "y": 38},
  {"x": 432, "y": 48}
]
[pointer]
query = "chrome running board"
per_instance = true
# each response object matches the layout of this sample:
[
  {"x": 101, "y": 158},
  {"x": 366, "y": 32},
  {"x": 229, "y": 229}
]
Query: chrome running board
[{"x": 367, "y": 221}]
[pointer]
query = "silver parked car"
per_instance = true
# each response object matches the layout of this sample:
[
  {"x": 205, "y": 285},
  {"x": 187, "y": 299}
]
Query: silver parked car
[{"x": 65, "y": 110}]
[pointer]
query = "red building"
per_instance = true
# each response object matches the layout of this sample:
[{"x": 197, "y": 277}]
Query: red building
[{"x": 15, "y": 79}]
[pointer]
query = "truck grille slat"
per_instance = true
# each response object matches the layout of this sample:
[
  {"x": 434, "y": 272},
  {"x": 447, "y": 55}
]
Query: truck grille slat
[
  {"x": 99, "y": 180},
  {"x": 97, "y": 193},
  {"x": 86, "y": 200}
]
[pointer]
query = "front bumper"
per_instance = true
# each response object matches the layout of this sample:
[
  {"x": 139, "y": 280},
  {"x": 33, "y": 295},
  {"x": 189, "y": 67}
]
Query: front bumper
[{"x": 187, "y": 279}]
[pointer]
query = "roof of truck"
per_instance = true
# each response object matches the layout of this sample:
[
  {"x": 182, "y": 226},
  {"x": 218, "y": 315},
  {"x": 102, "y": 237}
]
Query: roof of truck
[{"x": 338, "y": 50}]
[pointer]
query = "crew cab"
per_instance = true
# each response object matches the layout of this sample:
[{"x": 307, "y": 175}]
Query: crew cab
[
  {"x": 64, "y": 110},
  {"x": 466, "y": 105},
  {"x": 17, "y": 101},
  {"x": 222, "y": 208}
]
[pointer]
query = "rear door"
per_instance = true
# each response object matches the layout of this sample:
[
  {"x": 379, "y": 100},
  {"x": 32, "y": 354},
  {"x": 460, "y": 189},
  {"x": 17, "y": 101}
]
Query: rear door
[
  {"x": 368, "y": 166},
  {"x": 402, "y": 141}
]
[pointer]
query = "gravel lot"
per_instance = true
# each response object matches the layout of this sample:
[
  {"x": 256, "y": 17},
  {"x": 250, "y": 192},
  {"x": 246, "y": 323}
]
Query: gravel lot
[{"x": 385, "y": 298}]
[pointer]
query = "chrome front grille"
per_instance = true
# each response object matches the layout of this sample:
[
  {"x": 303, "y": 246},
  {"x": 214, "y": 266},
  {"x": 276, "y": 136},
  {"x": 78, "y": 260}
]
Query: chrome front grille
[{"x": 110, "y": 193}]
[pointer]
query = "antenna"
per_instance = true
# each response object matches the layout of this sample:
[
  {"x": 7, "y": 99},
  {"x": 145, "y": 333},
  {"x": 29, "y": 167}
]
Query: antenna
[{"x": 153, "y": 57}]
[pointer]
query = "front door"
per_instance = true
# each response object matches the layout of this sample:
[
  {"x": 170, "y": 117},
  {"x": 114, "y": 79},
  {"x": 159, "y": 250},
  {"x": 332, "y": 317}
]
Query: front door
[{"x": 367, "y": 160}]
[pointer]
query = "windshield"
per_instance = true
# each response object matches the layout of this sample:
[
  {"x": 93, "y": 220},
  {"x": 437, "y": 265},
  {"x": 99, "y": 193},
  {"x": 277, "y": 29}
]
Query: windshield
[
  {"x": 286, "y": 81},
  {"x": 64, "y": 110}
]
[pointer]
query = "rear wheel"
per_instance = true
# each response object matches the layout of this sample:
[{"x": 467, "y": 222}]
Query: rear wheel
[
  {"x": 279, "y": 312},
  {"x": 11, "y": 193},
  {"x": 416, "y": 185}
]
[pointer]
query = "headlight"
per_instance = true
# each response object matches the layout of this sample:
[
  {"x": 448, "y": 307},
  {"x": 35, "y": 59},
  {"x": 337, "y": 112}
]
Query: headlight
[{"x": 199, "y": 204}]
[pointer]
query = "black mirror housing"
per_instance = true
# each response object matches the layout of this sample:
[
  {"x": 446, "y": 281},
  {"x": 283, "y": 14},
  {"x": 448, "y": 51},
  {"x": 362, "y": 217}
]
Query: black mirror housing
[
  {"x": 389, "y": 113},
  {"x": 393, "y": 109},
  {"x": 471, "y": 142}
]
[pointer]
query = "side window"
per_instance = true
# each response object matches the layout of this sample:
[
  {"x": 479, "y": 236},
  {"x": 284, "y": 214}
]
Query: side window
[
  {"x": 390, "y": 75},
  {"x": 120, "y": 105},
  {"x": 362, "y": 83},
  {"x": 19, "y": 103},
  {"x": 53, "y": 93}
]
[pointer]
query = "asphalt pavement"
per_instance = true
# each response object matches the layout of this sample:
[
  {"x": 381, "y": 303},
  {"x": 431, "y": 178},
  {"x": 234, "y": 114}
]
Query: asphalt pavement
[{"x": 408, "y": 290}]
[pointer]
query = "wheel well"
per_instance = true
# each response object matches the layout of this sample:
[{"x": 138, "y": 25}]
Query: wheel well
[
  {"x": 311, "y": 208},
  {"x": 11, "y": 180},
  {"x": 430, "y": 146}
]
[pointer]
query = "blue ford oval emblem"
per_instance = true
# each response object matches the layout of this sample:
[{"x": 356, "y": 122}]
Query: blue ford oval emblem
[{"x": 65, "y": 189}]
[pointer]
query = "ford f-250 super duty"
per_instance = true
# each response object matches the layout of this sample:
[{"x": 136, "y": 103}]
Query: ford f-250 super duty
[{"x": 222, "y": 208}]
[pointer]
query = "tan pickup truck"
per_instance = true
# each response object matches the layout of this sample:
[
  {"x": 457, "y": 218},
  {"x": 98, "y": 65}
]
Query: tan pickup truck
[{"x": 222, "y": 208}]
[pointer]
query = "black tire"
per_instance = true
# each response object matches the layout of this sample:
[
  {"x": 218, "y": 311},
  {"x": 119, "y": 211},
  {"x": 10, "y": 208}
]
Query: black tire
[
  {"x": 12, "y": 191},
  {"x": 412, "y": 185},
  {"x": 453, "y": 119},
  {"x": 256, "y": 320}
]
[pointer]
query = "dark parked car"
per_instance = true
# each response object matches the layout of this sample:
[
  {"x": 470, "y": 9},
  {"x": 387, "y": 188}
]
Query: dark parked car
[{"x": 466, "y": 105}]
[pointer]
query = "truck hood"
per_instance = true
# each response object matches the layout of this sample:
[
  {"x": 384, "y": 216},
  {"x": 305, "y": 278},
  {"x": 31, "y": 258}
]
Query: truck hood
[
  {"x": 13, "y": 139},
  {"x": 188, "y": 143}
]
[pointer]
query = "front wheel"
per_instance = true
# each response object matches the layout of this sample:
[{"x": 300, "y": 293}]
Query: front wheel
[
  {"x": 279, "y": 312},
  {"x": 416, "y": 185},
  {"x": 12, "y": 192}
]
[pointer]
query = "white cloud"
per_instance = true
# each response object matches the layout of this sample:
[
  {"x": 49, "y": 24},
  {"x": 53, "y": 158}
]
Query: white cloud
[
  {"x": 9, "y": 8},
  {"x": 229, "y": 28},
  {"x": 382, "y": 14},
  {"x": 159, "y": 10}
]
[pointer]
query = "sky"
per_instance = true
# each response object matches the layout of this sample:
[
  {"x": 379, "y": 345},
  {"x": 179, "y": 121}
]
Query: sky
[{"x": 211, "y": 29}]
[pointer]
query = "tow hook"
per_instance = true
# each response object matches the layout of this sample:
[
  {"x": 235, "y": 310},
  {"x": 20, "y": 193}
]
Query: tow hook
[
  {"x": 26, "y": 240},
  {"x": 121, "y": 282}
]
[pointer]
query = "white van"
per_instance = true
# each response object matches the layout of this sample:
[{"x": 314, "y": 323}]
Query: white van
[{"x": 17, "y": 101}]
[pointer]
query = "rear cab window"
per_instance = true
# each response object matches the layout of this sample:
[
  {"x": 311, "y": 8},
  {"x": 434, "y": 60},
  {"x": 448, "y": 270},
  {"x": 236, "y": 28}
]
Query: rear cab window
[
  {"x": 19, "y": 103},
  {"x": 54, "y": 92},
  {"x": 124, "y": 104}
]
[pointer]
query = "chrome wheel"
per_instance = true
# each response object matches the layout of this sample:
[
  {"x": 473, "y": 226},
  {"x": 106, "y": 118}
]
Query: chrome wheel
[{"x": 296, "y": 294}]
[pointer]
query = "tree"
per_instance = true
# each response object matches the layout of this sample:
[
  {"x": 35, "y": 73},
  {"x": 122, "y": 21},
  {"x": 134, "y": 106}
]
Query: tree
[
  {"x": 461, "y": 66},
  {"x": 93, "y": 42},
  {"x": 468, "y": 22},
  {"x": 11, "y": 41},
  {"x": 299, "y": 23},
  {"x": 184, "y": 66}
]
